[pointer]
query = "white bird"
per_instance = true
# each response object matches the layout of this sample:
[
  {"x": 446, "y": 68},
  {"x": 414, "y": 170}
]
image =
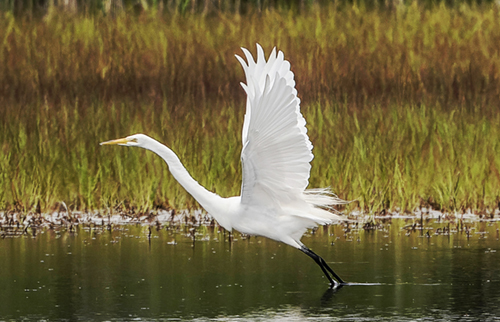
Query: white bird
[{"x": 275, "y": 158}]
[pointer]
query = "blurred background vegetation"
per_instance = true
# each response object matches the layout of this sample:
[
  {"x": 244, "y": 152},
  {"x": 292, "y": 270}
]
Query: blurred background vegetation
[
  {"x": 401, "y": 99},
  {"x": 41, "y": 7}
]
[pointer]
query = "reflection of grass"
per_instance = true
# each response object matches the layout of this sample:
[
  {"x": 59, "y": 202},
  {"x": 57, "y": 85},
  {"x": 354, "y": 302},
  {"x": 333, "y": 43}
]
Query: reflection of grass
[{"x": 401, "y": 105}]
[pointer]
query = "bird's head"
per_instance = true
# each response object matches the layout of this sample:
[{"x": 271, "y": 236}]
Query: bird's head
[{"x": 139, "y": 140}]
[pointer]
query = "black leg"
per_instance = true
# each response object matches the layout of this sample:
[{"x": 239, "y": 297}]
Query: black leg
[{"x": 324, "y": 267}]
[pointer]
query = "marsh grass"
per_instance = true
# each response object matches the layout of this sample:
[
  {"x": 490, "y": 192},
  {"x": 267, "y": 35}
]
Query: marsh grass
[
  {"x": 408, "y": 156},
  {"x": 402, "y": 105}
]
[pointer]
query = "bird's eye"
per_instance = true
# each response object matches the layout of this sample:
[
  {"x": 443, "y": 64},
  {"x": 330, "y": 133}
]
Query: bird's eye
[{"x": 134, "y": 140}]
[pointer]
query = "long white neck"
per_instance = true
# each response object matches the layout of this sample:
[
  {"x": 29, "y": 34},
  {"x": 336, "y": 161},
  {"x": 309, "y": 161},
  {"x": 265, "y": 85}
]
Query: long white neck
[{"x": 207, "y": 199}]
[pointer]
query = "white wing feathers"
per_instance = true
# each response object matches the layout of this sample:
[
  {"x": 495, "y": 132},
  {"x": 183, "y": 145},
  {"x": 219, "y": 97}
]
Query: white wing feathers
[{"x": 276, "y": 150}]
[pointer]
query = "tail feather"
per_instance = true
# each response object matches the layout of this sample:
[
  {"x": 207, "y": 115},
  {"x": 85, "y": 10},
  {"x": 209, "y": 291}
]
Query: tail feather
[{"x": 323, "y": 200}]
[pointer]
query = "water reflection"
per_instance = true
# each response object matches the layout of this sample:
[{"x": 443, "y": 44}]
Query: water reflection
[{"x": 121, "y": 274}]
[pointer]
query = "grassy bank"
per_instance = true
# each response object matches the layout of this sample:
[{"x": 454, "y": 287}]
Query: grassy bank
[{"x": 402, "y": 105}]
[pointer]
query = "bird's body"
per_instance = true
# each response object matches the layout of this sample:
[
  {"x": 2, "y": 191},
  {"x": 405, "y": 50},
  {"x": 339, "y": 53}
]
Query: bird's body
[{"x": 275, "y": 157}]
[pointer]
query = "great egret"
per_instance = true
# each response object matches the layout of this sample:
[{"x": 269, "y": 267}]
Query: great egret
[{"x": 275, "y": 158}]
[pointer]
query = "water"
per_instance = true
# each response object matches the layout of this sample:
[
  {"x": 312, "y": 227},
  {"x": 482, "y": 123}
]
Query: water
[{"x": 121, "y": 275}]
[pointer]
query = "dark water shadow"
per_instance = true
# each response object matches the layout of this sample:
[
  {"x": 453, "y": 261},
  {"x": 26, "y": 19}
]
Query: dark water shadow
[{"x": 128, "y": 273}]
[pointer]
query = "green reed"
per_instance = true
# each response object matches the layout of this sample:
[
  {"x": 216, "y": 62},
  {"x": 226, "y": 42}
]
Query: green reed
[
  {"x": 396, "y": 156},
  {"x": 401, "y": 104},
  {"x": 408, "y": 156}
]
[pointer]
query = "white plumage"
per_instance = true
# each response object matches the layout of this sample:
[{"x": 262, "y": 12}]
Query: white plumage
[{"x": 276, "y": 156}]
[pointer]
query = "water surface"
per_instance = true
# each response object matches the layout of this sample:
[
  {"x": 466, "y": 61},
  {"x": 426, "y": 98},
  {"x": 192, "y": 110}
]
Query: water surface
[{"x": 95, "y": 273}]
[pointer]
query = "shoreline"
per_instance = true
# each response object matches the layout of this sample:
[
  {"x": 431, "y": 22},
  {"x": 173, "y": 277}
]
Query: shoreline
[{"x": 198, "y": 217}]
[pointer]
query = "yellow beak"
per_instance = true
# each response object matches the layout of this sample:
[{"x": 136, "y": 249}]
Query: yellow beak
[{"x": 117, "y": 141}]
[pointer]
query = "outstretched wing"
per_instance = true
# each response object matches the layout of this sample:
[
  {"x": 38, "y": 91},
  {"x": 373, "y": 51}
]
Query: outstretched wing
[{"x": 276, "y": 149}]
